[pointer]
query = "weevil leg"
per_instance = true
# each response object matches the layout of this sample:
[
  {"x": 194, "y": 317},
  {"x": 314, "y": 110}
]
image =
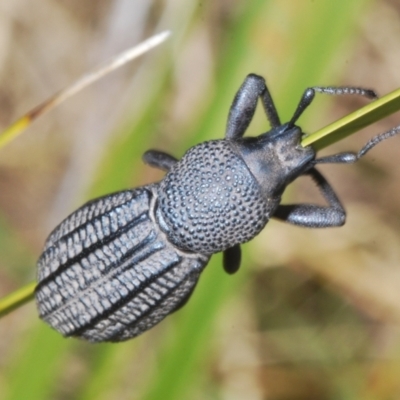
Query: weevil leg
[
  {"x": 340, "y": 158},
  {"x": 350, "y": 157},
  {"x": 159, "y": 159},
  {"x": 231, "y": 259},
  {"x": 245, "y": 103},
  {"x": 311, "y": 215},
  {"x": 309, "y": 95}
]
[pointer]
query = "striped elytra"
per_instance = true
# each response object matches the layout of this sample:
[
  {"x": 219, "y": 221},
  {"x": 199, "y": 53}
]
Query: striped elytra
[{"x": 107, "y": 273}]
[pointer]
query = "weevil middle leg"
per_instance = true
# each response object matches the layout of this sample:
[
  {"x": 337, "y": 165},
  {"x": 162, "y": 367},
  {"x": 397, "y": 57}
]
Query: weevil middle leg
[{"x": 159, "y": 159}]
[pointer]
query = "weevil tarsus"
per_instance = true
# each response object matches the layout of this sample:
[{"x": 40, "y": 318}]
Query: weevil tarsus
[{"x": 311, "y": 215}]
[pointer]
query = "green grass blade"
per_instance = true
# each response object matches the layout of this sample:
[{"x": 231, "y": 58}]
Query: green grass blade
[
  {"x": 17, "y": 298},
  {"x": 355, "y": 121}
]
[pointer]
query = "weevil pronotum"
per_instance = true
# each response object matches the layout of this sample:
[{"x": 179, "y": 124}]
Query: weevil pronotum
[{"x": 121, "y": 263}]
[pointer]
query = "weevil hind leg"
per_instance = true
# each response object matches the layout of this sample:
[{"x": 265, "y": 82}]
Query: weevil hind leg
[
  {"x": 159, "y": 159},
  {"x": 311, "y": 215},
  {"x": 244, "y": 105},
  {"x": 231, "y": 259}
]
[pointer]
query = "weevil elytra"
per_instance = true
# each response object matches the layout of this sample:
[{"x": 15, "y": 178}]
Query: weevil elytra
[{"x": 121, "y": 263}]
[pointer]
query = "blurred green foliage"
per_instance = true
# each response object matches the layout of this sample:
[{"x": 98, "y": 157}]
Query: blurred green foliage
[{"x": 295, "y": 45}]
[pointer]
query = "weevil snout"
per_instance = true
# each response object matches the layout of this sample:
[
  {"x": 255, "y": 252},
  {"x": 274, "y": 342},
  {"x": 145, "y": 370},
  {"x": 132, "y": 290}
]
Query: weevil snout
[
  {"x": 292, "y": 156},
  {"x": 290, "y": 150}
]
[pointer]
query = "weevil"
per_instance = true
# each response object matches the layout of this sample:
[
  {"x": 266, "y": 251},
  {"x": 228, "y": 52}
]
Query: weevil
[{"x": 123, "y": 262}]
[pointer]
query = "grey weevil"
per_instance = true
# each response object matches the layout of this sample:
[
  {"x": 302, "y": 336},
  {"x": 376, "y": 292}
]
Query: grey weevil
[{"x": 123, "y": 262}]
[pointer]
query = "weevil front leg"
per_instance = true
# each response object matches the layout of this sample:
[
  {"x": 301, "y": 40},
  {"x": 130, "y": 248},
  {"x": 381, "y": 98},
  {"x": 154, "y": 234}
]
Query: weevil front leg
[
  {"x": 244, "y": 105},
  {"x": 159, "y": 159},
  {"x": 311, "y": 215}
]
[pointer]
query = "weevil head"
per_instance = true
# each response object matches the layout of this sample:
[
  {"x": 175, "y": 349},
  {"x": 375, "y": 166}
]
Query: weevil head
[{"x": 276, "y": 158}]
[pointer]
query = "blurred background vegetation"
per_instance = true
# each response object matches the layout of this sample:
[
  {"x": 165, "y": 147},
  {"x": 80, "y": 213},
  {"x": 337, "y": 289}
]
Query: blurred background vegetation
[{"x": 312, "y": 314}]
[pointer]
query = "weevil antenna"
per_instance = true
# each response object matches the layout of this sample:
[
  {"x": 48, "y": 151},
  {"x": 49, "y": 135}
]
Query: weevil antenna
[
  {"x": 377, "y": 139},
  {"x": 309, "y": 94},
  {"x": 305, "y": 101}
]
